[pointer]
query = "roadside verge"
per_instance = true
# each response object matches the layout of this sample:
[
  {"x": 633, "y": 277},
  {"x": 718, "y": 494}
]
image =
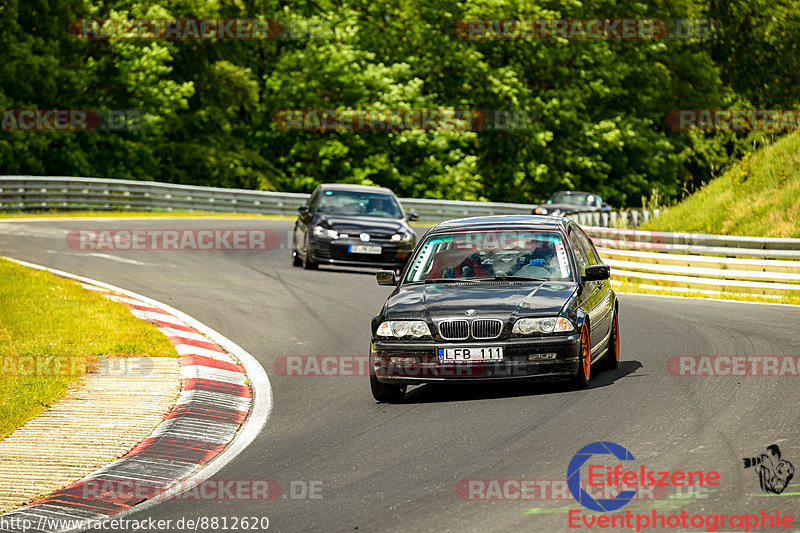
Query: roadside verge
[{"x": 224, "y": 403}]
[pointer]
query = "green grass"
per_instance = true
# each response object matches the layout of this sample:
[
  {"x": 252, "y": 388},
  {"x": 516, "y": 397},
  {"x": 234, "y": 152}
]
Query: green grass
[
  {"x": 759, "y": 196},
  {"x": 43, "y": 317}
]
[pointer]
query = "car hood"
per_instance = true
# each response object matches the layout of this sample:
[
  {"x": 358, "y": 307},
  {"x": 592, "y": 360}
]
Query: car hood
[
  {"x": 355, "y": 225},
  {"x": 500, "y": 300}
]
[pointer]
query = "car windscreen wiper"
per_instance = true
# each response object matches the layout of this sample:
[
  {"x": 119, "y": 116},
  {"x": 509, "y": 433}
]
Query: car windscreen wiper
[
  {"x": 509, "y": 278},
  {"x": 449, "y": 280}
]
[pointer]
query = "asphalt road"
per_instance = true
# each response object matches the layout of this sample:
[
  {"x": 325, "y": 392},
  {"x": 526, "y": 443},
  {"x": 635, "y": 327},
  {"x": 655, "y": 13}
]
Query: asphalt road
[{"x": 396, "y": 467}]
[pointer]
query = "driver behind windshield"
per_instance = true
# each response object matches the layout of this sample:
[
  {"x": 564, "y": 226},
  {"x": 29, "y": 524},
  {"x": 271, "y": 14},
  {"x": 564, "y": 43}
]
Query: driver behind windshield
[
  {"x": 377, "y": 205},
  {"x": 381, "y": 206},
  {"x": 539, "y": 263}
]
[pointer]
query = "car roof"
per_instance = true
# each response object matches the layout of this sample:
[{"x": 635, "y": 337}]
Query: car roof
[
  {"x": 355, "y": 188},
  {"x": 573, "y": 192},
  {"x": 528, "y": 222}
]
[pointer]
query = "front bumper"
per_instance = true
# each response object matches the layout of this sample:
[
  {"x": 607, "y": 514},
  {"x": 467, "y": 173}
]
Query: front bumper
[
  {"x": 412, "y": 362},
  {"x": 335, "y": 252}
]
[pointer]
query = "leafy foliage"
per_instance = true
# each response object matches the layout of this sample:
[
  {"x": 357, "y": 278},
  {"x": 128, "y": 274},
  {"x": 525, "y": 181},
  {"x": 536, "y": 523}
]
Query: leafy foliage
[{"x": 209, "y": 105}]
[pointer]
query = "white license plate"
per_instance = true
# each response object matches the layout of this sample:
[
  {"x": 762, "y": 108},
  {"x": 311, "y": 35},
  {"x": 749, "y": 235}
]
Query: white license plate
[
  {"x": 480, "y": 353},
  {"x": 362, "y": 249}
]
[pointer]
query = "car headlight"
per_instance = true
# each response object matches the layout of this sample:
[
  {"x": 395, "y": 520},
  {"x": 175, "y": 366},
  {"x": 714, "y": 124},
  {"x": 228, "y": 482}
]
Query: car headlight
[
  {"x": 532, "y": 326},
  {"x": 402, "y": 236},
  {"x": 326, "y": 233},
  {"x": 403, "y": 328},
  {"x": 540, "y": 211}
]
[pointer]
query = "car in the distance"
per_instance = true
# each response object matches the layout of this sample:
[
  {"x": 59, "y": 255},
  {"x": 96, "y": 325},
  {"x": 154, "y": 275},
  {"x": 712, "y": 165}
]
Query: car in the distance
[
  {"x": 569, "y": 202},
  {"x": 352, "y": 225},
  {"x": 495, "y": 298}
]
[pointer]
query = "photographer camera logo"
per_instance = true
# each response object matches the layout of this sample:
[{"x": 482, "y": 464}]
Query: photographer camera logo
[
  {"x": 574, "y": 476},
  {"x": 774, "y": 473}
]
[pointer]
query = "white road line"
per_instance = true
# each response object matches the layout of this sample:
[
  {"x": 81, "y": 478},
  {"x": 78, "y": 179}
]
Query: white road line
[
  {"x": 222, "y": 399},
  {"x": 193, "y": 429},
  {"x": 171, "y": 332},
  {"x": 107, "y": 256},
  {"x": 188, "y": 349},
  {"x": 217, "y": 356},
  {"x": 124, "y": 300},
  {"x": 152, "y": 315},
  {"x": 214, "y": 374}
]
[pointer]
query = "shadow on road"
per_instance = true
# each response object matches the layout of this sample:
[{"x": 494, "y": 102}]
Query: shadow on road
[{"x": 434, "y": 393}]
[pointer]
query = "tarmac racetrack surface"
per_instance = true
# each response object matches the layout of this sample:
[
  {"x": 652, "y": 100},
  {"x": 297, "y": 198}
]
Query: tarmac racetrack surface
[{"x": 347, "y": 463}]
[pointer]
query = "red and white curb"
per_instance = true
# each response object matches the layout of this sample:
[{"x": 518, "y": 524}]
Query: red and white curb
[{"x": 225, "y": 401}]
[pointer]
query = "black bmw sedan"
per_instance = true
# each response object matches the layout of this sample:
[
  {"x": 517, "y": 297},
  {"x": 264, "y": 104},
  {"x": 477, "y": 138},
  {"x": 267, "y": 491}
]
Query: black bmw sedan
[
  {"x": 494, "y": 299},
  {"x": 352, "y": 225}
]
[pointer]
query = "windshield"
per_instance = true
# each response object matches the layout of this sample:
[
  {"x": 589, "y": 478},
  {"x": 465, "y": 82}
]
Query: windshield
[
  {"x": 488, "y": 254},
  {"x": 571, "y": 198},
  {"x": 358, "y": 203}
]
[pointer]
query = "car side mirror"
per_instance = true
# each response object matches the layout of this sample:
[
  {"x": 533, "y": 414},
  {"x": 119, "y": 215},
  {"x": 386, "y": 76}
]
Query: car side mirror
[
  {"x": 303, "y": 209},
  {"x": 411, "y": 215},
  {"x": 596, "y": 273},
  {"x": 386, "y": 277}
]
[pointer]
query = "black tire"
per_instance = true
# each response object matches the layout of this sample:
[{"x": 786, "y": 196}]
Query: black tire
[
  {"x": 307, "y": 263},
  {"x": 386, "y": 393},
  {"x": 612, "y": 354},
  {"x": 584, "y": 370}
]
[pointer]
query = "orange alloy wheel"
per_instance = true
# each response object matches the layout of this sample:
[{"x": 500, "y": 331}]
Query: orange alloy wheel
[{"x": 587, "y": 352}]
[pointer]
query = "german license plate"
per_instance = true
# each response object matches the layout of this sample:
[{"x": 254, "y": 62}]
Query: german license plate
[
  {"x": 472, "y": 353},
  {"x": 362, "y": 249}
]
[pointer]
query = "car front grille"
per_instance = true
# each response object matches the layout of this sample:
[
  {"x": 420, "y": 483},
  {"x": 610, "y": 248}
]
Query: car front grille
[
  {"x": 460, "y": 329},
  {"x": 486, "y": 328},
  {"x": 454, "y": 330}
]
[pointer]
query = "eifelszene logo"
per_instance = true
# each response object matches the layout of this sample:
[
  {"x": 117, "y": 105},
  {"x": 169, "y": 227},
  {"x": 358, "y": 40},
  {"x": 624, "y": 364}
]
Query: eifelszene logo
[
  {"x": 610, "y": 479},
  {"x": 774, "y": 473}
]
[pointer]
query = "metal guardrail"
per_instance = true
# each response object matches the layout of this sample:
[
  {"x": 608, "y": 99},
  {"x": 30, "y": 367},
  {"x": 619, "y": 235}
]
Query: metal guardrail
[
  {"x": 27, "y": 193},
  {"x": 677, "y": 260},
  {"x": 695, "y": 243},
  {"x": 713, "y": 264},
  {"x": 670, "y": 270}
]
